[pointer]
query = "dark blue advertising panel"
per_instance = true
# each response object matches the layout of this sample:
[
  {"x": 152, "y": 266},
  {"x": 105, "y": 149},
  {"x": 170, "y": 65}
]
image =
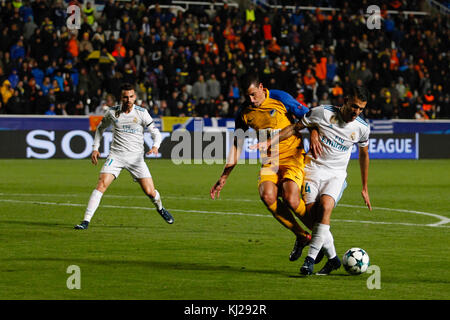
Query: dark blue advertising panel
[
  {"x": 41, "y": 122},
  {"x": 426, "y": 126}
]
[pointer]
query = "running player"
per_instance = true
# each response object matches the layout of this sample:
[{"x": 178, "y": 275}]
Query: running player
[
  {"x": 127, "y": 152},
  {"x": 281, "y": 173}
]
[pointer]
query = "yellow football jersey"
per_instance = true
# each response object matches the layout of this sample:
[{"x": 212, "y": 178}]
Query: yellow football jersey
[{"x": 275, "y": 113}]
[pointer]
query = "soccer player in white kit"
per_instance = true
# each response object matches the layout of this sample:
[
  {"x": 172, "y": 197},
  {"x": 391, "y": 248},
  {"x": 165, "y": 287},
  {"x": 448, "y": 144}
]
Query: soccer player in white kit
[
  {"x": 339, "y": 129},
  {"x": 127, "y": 152}
]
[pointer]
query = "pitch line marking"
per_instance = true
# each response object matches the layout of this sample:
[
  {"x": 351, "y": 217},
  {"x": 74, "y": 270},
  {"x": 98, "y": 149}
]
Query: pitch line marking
[
  {"x": 217, "y": 212},
  {"x": 443, "y": 220}
]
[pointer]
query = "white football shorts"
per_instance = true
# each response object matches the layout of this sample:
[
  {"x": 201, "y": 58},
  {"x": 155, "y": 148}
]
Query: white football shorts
[
  {"x": 135, "y": 165},
  {"x": 321, "y": 182}
]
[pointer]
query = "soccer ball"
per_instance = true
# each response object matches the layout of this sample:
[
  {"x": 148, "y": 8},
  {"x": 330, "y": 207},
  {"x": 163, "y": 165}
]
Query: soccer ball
[{"x": 355, "y": 261}]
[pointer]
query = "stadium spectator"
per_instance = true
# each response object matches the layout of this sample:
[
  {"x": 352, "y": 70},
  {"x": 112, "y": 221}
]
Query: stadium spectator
[
  {"x": 89, "y": 13},
  {"x": 409, "y": 53},
  {"x": 17, "y": 50},
  {"x": 51, "y": 110},
  {"x": 200, "y": 89},
  {"x": 428, "y": 105},
  {"x": 6, "y": 91},
  {"x": 213, "y": 87}
]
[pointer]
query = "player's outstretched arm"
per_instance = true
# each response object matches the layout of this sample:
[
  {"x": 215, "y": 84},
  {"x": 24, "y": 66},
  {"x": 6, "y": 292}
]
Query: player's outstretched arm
[
  {"x": 364, "y": 166},
  {"x": 229, "y": 166},
  {"x": 218, "y": 186},
  {"x": 282, "y": 135}
]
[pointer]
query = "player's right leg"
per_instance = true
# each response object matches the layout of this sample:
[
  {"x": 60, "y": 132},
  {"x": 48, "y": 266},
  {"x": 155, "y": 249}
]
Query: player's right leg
[
  {"x": 268, "y": 191},
  {"x": 104, "y": 181},
  {"x": 321, "y": 235}
]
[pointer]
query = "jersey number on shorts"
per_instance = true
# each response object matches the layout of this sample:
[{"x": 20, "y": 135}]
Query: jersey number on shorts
[
  {"x": 108, "y": 162},
  {"x": 307, "y": 188}
]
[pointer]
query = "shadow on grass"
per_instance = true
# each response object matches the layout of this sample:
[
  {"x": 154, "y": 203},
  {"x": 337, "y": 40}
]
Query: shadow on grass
[
  {"x": 320, "y": 276},
  {"x": 34, "y": 223},
  {"x": 163, "y": 265},
  {"x": 64, "y": 225}
]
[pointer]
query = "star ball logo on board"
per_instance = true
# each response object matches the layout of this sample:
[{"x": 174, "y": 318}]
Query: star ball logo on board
[{"x": 73, "y": 21}]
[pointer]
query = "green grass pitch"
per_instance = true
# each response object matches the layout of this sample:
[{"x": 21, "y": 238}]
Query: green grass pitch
[{"x": 230, "y": 248}]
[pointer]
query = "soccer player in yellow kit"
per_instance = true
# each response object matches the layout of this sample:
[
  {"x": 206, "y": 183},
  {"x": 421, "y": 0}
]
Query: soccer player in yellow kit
[{"x": 281, "y": 174}]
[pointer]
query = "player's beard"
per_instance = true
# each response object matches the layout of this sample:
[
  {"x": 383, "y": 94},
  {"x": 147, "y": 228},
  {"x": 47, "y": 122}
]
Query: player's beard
[{"x": 127, "y": 106}]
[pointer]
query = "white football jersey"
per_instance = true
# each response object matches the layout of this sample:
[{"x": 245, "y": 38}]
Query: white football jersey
[
  {"x": 128, "y": 130},
  {"x": 336, "y": 136}
]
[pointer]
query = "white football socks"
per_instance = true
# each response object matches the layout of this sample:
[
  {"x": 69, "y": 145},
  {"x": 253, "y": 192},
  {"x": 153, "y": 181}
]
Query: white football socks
[
  {"x": 328, "y": 246},
  {"x": 319, "y": 234},
  {"x": 322, "y": 237},
  {"x": 93, "y": 204},
  {"x": 157, "y": 200}
]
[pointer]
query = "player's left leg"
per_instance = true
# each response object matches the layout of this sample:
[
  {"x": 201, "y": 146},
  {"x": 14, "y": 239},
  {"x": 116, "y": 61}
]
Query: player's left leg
[
  {"x": 140, "y": 172},
  {"x": 291, "y": 196},
  {"x": 292, "y": 175},
  {"x": 148, "y": 187}
]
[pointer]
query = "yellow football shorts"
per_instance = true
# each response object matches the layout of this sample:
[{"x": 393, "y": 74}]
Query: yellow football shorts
[{"x": 291, "y": 168}]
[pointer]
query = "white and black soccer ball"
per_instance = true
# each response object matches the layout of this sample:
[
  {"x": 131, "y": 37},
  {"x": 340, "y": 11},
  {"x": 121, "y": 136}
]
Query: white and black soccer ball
[{"x": 355, "y": 261}]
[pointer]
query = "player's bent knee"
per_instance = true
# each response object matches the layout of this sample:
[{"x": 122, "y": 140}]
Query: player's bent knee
[
  {"x": 327, "y": 208},
  {"x": 102, "y": 186},
  {"x": 151, "y": 193},
  {"x": 268, "y": 198},
  {"x": 292, "y": 201}
]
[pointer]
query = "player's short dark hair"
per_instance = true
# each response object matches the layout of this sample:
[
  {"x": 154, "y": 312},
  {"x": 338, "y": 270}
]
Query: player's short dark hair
[
  {"x": 126, "y": 87},
  {"x": 359, "y": 92},
  {"x": 248, "y": 79}
]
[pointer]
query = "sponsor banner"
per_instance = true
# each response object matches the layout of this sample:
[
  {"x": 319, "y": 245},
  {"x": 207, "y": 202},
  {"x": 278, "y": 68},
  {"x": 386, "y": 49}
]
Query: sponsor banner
[
  {"x": 188, "y": 147},
  {"x": 180, "y": 146},
  {"x": 170, "y": 124},
  {"x": 94, "y": 122},
  {"x": 389, "y": 146}
]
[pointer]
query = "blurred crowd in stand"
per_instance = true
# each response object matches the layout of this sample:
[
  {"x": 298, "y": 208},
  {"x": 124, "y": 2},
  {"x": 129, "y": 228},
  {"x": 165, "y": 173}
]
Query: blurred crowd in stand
[{"x": 189, "y": 63}]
